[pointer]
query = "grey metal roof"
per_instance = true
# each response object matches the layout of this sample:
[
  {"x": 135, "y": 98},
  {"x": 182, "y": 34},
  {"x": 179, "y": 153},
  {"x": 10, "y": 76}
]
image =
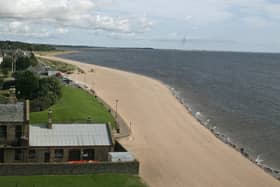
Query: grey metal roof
[
  {"x": 12, "y": 112},
  {"x": 69, "y": 135}
]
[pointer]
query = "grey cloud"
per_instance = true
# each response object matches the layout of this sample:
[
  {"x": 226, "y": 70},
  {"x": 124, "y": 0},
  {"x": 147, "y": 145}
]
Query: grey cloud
[{"x": 69, "y": 13}]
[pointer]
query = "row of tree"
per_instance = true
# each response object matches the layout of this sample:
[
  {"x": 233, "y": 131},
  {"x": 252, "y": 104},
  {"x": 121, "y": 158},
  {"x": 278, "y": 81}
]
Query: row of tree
[
  {"x": 10, "y": 45},
  {"x": 19, "y": 63}
]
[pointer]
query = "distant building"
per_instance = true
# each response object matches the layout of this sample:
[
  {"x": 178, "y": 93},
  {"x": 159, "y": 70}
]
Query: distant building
[
  {"x": 1, "y": 57},
  {"x": 22, "y": 142},
  {"x": 53, "y": 73}
]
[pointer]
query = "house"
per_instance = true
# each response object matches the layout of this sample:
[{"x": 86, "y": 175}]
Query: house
[
  {"x": 1, "y": 58},
  {"x": 21, "y": 142},
  {"x": 52, "y": 73},
  {"x": 69, "y": 142}
]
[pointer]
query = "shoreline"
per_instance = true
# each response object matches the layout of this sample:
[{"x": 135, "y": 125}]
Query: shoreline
[
  {"x": 227, "y": 140},
  {"x": 213, "y": 133}
]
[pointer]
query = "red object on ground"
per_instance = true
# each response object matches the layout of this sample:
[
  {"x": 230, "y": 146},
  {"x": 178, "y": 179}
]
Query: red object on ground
[
  {"x": 58, "y": 74},
  {"x": 82, "y": 161}
]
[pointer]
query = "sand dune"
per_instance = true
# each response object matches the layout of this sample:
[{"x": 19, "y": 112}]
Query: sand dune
[{"x": 173, "y": 148}]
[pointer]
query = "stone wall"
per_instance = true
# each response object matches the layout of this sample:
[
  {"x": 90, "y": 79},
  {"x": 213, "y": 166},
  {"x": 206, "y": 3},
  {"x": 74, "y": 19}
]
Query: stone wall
[{"x": 68, "y": 169}]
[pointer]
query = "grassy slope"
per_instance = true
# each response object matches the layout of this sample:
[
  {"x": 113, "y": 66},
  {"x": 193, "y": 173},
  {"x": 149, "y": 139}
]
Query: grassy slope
[
  {"x": 75, "y": 105},
  {"x": 98, "y": 180}
]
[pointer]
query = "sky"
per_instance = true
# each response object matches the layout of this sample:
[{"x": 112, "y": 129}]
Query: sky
[{"x": 228, "y": 25}]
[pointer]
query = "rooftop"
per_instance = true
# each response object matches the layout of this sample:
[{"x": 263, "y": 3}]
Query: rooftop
[
  {"x": 12, "y": 112},
  {"x": 69, "y": 135}
]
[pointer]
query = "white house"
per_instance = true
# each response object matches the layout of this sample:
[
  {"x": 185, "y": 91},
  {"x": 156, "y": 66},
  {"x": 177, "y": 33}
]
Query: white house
[{"x": 1, "y": 59}]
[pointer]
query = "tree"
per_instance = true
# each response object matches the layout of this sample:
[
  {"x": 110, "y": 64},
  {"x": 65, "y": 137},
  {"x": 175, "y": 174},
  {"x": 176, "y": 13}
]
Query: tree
[
  {"x": 1, "y": 82},
  {"x": 48, "y": 93},
  {"x": 33, "y": 60},
  {"x": 27, "y": 84},
  {"x": 49, "y": 85},
  {"x": 7, "y": 63},
  {"x": 22, "y": 63}
]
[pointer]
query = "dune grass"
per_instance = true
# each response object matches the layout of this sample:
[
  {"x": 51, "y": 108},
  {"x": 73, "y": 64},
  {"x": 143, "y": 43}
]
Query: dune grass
[
  {"x": 98, "y": 180},
  {"x": 75, "y": 106}
]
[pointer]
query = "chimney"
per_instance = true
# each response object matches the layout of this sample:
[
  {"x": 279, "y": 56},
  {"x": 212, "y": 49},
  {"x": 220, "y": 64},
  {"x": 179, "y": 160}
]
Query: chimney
[
  {"x": 50, "y": 118},
  {"x": 89, "y": 119},
  {"x": 27, "y": 111},
  {"x": 26, "y": 118},
  {"x": 12, "y": 96}
]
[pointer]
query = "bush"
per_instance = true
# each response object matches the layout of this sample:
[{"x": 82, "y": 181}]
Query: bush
[{"x": 40, "y": 103}]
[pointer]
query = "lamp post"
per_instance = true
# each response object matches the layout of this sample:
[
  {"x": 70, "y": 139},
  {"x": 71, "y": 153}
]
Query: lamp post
[{"x": 116, "y": 117}]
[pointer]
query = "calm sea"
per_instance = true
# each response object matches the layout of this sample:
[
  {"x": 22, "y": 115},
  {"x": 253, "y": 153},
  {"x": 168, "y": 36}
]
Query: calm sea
[{"x": 236, "y": 93}]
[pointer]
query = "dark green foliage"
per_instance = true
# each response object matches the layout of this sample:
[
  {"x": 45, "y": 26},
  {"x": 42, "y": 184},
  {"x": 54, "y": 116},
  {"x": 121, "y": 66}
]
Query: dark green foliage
[
  {"x": 40, "y": 104},
  {"x": 25, "y": 46},
  {"x": 27, "y": 83},
  {"x": 6, "y": 66},
  {"x": 42, "y": 92},
  {"x": 33, "y": 60},
  {"x": 7, "y": 63},
  {"x": 48, "y": 93},
  {"x": 1, "y": 82},
  {"x": 5, "y": 72},
  {"x": 22, "y": 63},
  {"x": 8, "y": 84}
]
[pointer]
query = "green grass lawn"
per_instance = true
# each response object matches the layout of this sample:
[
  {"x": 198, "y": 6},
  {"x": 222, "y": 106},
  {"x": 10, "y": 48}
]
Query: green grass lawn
[
  {"x": 98, "y": 180},
  {"x": 74, "y": 106}
]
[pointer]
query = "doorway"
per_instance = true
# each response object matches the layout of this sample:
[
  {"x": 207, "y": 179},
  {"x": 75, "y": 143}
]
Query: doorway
[
  {"x": 74, "y": 155},
  {"x": 88, "y": 154},
  {"x": 1, "y": 155},
  {"x": 47, "y": 157}
]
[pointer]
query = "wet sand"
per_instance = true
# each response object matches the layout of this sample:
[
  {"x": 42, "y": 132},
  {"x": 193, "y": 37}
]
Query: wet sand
[{"x": 174, "y": 149}]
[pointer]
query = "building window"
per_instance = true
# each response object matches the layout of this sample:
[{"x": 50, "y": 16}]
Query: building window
[
  {"x": 74, "y": 155},
  {"x": 88, "y": 154},
  {"x": 32, "y": 154},
  {"x": 58, "y": 153},
  {"x": 18, "y": 131},
  {"x": 18, "y": 154},
  {"x": 3, "y": 131}
]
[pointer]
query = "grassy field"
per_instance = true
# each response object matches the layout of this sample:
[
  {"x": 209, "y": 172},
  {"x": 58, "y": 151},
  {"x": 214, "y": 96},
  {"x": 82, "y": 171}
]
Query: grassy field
[
  {"x": 98, "y": 180},
  {"x": 75, "y": 105}
]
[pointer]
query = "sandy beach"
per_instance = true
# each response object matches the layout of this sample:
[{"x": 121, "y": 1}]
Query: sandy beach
[{"x": 173, "y": 148}]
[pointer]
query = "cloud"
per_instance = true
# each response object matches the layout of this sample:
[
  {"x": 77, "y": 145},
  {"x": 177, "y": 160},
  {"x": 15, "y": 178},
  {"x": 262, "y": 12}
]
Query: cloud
[
  {"x": 69, "y": 13},
  {"x": 20, "y": 28},
  {"x": 17, "y": 27},
  {"x": 264, "y": 8},
  {"x": 257, "y": 22},
  {"x": 62, "y": 30}
]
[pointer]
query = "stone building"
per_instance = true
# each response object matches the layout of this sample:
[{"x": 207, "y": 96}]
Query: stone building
[{"x": 22, "y": 142}]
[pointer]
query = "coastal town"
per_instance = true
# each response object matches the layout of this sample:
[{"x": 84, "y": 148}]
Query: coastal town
[
  {"x": 121, "y": 93},
  {"x": 33, "y": 131}
]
